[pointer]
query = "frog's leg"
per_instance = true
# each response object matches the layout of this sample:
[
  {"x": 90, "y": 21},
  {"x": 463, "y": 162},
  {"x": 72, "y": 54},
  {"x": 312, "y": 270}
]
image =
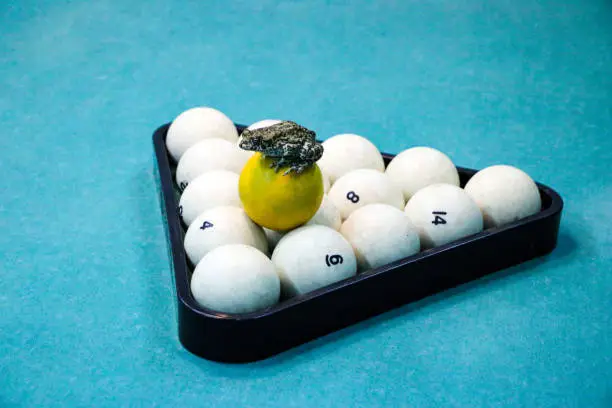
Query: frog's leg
[
  {"x": 276, "y": 161},
  {"x": 280, "y": 162},
  {"x": 271, "y": 153},
  {"x": 293, "y": 157},
  {"x": 296, "y": 168},
  {"x": 283, "y": 155}
]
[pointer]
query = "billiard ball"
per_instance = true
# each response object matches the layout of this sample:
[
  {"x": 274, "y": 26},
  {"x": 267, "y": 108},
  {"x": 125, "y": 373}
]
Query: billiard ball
[
  {"x": 263, "y": 123},
  {"x": 326, "y": 183},
  {"x": 211, "y": 189},
  {"x": 443, "y": 213},
  {"x": 235, "y": 278},
  {"x": 364, "y": 186},
  {"x": 380, "y": 234},
  {"x": 196, "y": 124},
  {"x": 418, "y": 167},
  {"x": 311, "y": 257},
  {"x": 222, "y": 226},
  {"x": 504, "y": 194},
  {"x": 346, "y": 152},
  {"x": 208, "y": 155},
  {"x": 327, "y": 215}
]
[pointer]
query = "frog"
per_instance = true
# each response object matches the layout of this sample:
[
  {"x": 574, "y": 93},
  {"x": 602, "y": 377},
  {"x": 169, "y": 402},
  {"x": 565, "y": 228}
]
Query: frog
[{"x": 287, "y": 143}]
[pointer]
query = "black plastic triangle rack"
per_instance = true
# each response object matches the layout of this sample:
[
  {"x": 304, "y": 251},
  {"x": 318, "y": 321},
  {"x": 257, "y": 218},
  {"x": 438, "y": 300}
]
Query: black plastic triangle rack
[{"x": 255, "y": 336}]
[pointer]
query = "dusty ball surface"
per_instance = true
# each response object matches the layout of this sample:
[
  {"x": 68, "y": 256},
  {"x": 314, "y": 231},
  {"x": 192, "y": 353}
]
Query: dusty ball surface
[
  {"x": 311, "y": 257},
  {"x": 418, "y": 167},
  {"x": 380, "y": 234},
  {"x": 443, "y": 213},
  {"x": 212, "y": 189},
  {"x": 346, "y": 152},
  {"x": 222, "y": 226},
  {"x": 327, "y": 215},
  {"x": 209, "y": 155},
  {"x": 235, "y": 279},
  {"x": 196, "y": 124},
  {"x": 504, "y": 194},
  {"x": 362, "y": 187}
]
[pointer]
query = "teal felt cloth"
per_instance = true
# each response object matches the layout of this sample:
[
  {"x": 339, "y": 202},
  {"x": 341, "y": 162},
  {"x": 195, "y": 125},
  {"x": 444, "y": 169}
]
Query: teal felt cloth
[{"x": 87, "y": 315}]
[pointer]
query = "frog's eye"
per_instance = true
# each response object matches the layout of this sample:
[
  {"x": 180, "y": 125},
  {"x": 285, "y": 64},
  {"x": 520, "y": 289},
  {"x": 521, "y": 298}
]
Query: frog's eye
[
  {"x": 243, "y": 142},
  {"x": 249, "y": 142}
]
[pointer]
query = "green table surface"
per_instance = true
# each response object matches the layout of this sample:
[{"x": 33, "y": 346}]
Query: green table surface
[{"x": 87, "y": 315}]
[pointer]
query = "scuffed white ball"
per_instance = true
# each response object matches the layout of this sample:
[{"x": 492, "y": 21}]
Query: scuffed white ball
[
  {"x": 211, "y": 189},
  {"x": 443, "y": 213},
  {"x": 311, "y": 257},
  {"x": 418, "y": 167},
  {"x": 380, "y": 234},
  {"x": 504, "y": 194},
  {"x": 220, "y": 226},
  {"x": 196, "y": 124},
  {"x": 347, "y": 152},
  {"x": 362, "y": 187},
  {"x": 209, "y": 155},
  {"x": 235, "y": 279}
]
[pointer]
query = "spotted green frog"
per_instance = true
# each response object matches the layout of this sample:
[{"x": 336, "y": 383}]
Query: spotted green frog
[{"x": 287, "y": 143}]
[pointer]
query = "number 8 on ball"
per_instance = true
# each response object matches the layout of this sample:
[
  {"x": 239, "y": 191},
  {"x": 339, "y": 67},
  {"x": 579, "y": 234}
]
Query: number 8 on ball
[{"x": 352, "y": 197}]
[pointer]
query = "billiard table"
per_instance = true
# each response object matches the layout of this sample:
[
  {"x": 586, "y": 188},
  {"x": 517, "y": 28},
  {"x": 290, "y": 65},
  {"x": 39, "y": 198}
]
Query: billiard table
[{"x": 89, "y": 310}]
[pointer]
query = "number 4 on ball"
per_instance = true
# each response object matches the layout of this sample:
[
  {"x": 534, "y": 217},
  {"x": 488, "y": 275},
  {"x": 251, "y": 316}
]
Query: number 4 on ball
[{"x": 206, "y": 225}]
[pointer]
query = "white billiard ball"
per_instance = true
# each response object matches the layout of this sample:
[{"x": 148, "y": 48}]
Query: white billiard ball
[
  {"x": 222, "y": 226},
  {"x": 211, "y": 189},
  {"x": 208, "y": 155},
  {"x": 263, "y": 123},
  {"x": 442, "y": 213},
  {"x": 327, "y": 215},
  {"x": 196, "y": 124},
  {"x": 380, "y": 234},
  {"x": 504, "y": 194},
  {"x": 235, "y": 279},
  {"x": 346, "y": 152},
  {"x": 326, "y": 183},
  {"x": 418, "y": 167},
  {"x": 311, "y": 257},
  {"x": 361, "y": 187}
]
